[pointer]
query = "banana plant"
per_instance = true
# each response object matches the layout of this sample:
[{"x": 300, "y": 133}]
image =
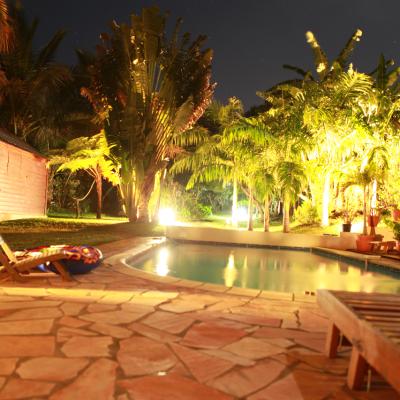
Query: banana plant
[{"x": 146, "y": 91}]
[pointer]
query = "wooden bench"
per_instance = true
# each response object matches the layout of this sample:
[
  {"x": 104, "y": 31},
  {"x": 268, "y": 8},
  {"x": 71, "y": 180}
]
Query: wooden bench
[
  {"x": 384, "y": 247},
  {"x": 371, "y": 323}
]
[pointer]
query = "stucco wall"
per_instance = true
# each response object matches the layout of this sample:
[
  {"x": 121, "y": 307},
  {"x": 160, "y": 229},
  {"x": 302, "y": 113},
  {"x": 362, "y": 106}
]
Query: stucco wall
[
  {"x": 23, "y": 183},
  {"x": 259, "y": 238},
  {"x": 342, "y": 242}
]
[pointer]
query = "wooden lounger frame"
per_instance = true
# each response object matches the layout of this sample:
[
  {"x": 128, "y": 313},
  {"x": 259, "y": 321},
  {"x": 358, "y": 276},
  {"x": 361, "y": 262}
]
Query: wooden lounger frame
[
  {"x": 371, "y": 322},
  {"x": 15, "y": 268}
]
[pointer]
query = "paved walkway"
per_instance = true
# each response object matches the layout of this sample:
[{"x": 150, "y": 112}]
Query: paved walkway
[{"x": 112, "y": 334}]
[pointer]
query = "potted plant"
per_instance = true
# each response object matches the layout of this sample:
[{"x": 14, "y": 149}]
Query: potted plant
[
  {"x": 373, "y": 220},
  {"x": 348, "y": 216},
  {"x": 350, "y": 208}
]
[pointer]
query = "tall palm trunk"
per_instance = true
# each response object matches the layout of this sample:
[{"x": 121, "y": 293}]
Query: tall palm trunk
[
  {"x": 325, "y": 200},
  {"x": 286, "y": 217},
  {"x": 235, "y": 202},
  {"x": 250, "y": 211},
  {"x": 365, "y": 231},
  {"x": 374, "y": 194},
  {"x": 266, "y": 213},
  {"x": 158, "y": 186}
]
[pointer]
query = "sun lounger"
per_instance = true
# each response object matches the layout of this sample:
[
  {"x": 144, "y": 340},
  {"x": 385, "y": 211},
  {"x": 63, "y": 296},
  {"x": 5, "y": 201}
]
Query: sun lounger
[
  {"x": 371, "y": 322},
  {"x": 16, "y": 268}
]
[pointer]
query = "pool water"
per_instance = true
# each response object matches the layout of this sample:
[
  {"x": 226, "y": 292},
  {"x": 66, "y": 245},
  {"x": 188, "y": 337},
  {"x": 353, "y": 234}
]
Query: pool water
[{"x": 265, "y": 269}]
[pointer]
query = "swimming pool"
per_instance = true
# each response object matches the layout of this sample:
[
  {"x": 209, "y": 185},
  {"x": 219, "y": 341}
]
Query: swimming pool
[{"x": 265, "y": 269}]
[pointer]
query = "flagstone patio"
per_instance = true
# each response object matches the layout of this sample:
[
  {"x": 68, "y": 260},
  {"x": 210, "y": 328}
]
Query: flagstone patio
[{"x": 121, "y": 334}]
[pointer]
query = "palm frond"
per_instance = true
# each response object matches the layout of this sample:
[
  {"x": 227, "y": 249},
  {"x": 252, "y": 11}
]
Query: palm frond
[
  {"x": 344, "y": 55},
  {"x": 320, "y": 59}
]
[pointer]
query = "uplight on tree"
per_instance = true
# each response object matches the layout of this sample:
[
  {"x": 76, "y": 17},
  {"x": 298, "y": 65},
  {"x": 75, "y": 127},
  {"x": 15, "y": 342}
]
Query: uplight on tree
[{"x": 166, "y": 216}]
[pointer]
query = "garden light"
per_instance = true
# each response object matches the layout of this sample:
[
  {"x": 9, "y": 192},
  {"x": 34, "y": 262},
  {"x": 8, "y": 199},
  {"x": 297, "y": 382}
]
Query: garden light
[
  {"x": 241, "y": 214},
  {"x": 166, "y": 216}
]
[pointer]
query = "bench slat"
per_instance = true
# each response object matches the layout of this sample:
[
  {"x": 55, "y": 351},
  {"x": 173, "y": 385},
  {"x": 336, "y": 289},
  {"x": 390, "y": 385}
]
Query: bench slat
[{"x": 366, "y": 332}]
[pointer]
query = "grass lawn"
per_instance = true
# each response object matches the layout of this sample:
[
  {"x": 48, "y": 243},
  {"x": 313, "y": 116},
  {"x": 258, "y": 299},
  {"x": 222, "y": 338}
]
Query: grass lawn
[
  {"x": 28, "y": 233},
  {"x": 63, "y": 229}
]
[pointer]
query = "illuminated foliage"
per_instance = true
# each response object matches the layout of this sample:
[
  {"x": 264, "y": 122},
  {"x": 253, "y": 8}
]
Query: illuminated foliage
[
  {"x": 146, "y": 91},
  {"x": 30, "y": 81}
]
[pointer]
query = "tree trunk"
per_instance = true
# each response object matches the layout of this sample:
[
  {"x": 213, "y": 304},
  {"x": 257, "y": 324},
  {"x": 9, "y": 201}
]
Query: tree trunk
[
  {"x": 132, "y": 214},
  {"x": 77, "y": 208},
  {"x": 365, "y": 231},
  {"x": 145, "y": 193},
  {"x": 99, "y": 190},
  {"x": 312, "y": 191},
  {"x": 160, "y": 179},
  {"x": 374, "y": 190},
  {"x": 266, "y": 214},
  {"x": 250, "y": 212},
  {"x": 286, "y": 215},
  {"x": 128, "y": 195},
  {"x": 235, "y": 202},
  {"x": 325, "y": 200},
  {"x": 341, "y": 203}
]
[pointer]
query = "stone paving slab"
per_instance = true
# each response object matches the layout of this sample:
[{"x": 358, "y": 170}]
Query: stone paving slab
[{"x": 113, "y": 334}]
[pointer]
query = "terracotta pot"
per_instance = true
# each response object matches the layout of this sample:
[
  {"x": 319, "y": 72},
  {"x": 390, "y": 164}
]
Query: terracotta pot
[
  {"x": 373, "y": 220},
  {"x": 363, "y": 243},
  {"x": 346, "y": 227},
  {"x": 396, "y": 214}
]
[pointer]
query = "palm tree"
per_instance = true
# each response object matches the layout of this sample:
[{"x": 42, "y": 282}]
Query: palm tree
[
  {"x": 6, "y": 28},
  {"x": 30, "y": 84},
  {"x": 146, "y": 91},
  {"x": 325, "y": 109},
  {"x": 290, "y": 140},
  {"x": 217, "y": 157},
  {"x": 324, "y": 69},
  {"x": 213, "y": 160},
  {"x": 266, "y": 186},
  {"x": 332, "y": 115},
  {"x": 291, "y": 179},
  {"x": 257, "y": 149}
]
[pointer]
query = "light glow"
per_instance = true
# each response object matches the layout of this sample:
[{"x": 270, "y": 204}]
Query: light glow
[
  {"x": 240, "y": 215},
  {"x": 162, "y": 268},
  {"x": 166, "y": 216},
  {"x": 230, "y": 272},
  {"x": 357, "y": 227}
]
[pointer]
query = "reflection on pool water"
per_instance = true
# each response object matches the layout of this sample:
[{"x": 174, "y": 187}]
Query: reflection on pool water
[{"x": 266, "y": 269}]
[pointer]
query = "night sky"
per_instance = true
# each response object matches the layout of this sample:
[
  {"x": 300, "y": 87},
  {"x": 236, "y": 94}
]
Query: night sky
[{"x": 251, "y": 39}]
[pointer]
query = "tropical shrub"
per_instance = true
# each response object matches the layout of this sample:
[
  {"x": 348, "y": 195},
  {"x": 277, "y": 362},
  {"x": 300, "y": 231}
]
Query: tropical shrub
[
  {"x": 193, "y": 211},
  {"x": 306, "y": 214},
  {"x": 186, "y": 203},
  {"x": 395, "y": 226}
]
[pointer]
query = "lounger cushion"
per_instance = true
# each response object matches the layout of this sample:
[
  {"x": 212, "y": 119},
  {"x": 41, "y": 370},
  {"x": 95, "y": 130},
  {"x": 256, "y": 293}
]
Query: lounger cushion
[{"x": 79, "y": 260}]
